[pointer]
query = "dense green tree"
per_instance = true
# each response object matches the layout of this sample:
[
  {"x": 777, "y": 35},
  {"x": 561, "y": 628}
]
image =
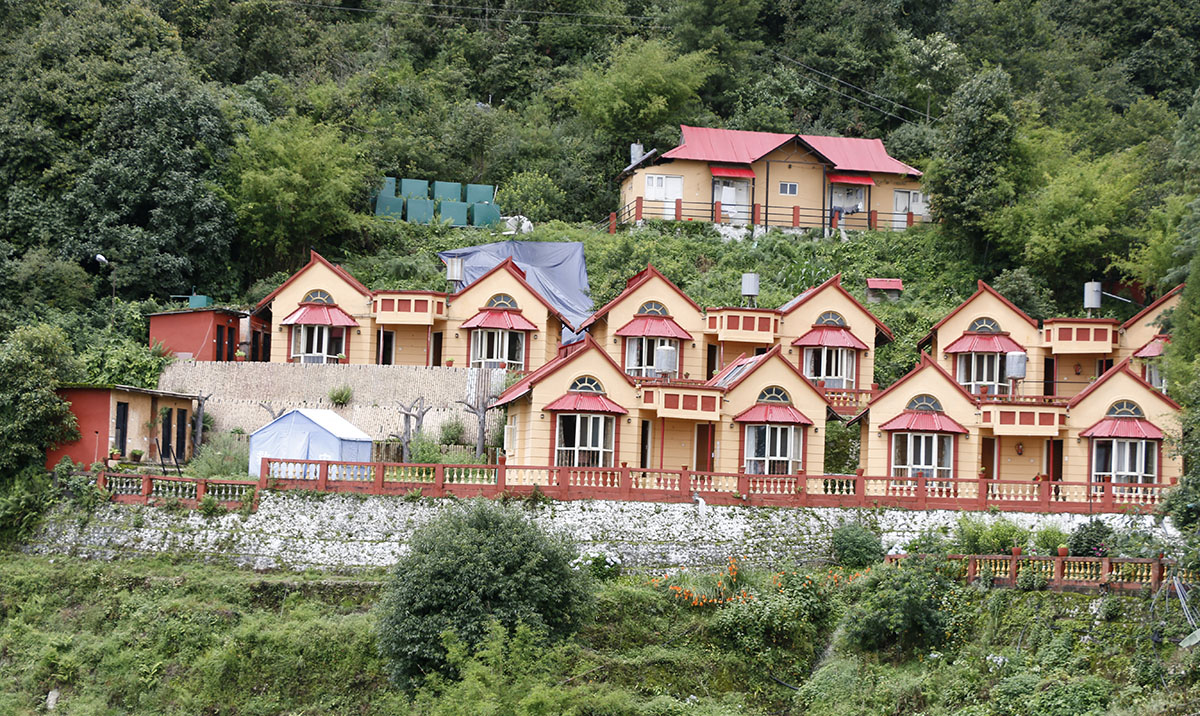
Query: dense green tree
[
  {"x": 34, "y": 360},
  {"x": 1028, "y": 291}
]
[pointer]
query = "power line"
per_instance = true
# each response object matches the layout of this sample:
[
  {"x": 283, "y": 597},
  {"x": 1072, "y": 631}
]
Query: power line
[
  {"x": 413, "y": 13},
  {"x": 860, "y": 89}
]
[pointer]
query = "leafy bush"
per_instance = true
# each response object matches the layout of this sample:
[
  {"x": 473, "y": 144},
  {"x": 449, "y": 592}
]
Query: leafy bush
[
  {"x": 1090, "y": 539},
  {"x": 976, "y": 536},
  {"x": 1030, "y": 580},
  {"x": 1048, "y": 538},
  {"x": 599, "y": 564},
  {"x": 1079, "y": 697},
  {"x": 209, "y": 507},
  {"x": 476, "y": 563},
  {"x": 930, "y": 541},
  {"x": 856, "y": 546},
  {"x": 341, "y": 395},
  {"x": 23, "y": 504},
  {"x": 905, "y": 606},
  {"x": 453, "y": 432},
  {"x": 221, "y": 455}
]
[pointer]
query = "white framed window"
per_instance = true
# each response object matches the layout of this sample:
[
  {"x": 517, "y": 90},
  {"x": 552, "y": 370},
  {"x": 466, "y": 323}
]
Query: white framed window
[
  {"x": 928, "y": 455},
  {"x": 317, "y": 296},
  {"x": 788, "y": 188},
  {"x": 501, "y": 300},
  {"x": 497, "y": 348},
  {"x": 979, "y": 370},
  {"x": 316, "y": 344},
  {"x": 773, "y": 449},
  {"x": 835, "y": 366},
  {"x": 639, "y": 355},
  {"x": 1155, "y": 377},
  {"x": 584, "y": 440},
  {"x": 1124, "y": 461},
  {"x": 510, "y": 436}
]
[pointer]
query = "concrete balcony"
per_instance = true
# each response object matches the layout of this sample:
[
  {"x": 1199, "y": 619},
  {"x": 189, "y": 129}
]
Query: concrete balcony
[
  {"x": 743, "y": 325},
  {"x": 412, "y": 308},
  {"x": 686, "y": 402},
  {"x": 1033, "y": 416},
  {"x": 1080, "y": 335}
]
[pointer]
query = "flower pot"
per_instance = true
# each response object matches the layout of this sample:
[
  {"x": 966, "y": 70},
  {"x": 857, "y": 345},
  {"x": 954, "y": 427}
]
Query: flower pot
[
  {"x": 1063, "y": 551},
  {"x": 1016, "y": 551}
]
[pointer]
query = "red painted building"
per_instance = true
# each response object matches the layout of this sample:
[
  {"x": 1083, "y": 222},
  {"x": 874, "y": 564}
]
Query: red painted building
[
  {"x": 202, "y": 334},
  {"x": 123, "y": 418}
]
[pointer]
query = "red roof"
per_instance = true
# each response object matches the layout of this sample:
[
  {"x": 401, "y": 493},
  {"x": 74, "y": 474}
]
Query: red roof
[
  {"x": 731, "y": 172},
  {"x": 832, "y": 337},
  {"x": 318, "y": 314},
  {"x": 1136, "y": 428},
  {"x": 635, "y": 281},
  {"x": 885, "y": 284},
  {"x": 983, "y": 343},
  {"x": 923, "y": 421},
  {"x": 585, "y": 403},
  {"x": 1154, "y": 348},
  {"x": 836, "y": 283},
  {"x": 857, "y": 155},
  {"x": 725, "y": 145},
  {"x": 499, "y": 318},
  {"x": 566, "y": 354},
  {"x": 772, "y": 413},
  {"x": 922, "y": 364},
  {"x": 982, "y": 288},
  {"x": 1152, "y": 307},
  {"x": 315, "y": 258},
  {"x": 850, "y": 179},
  {"x": 656, "y": 326},
  {"x": 1122, "y": 367}
]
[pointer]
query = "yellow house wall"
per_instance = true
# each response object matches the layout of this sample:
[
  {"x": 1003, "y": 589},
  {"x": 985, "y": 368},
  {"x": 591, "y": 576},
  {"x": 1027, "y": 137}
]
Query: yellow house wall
[
  {"x": 1140, "y": 333},
  {"x": 145, "y": 422},
  {"x": 876, "y": 443},
  {"x": 466, "y": 304},
  {"x": 985, "y": 305},
  {"x": 730, "y": 351},
  {"x": 319, "y": 276},
  {"x": 692, "y": 360},
  {"x": 862, "y": 327},
  {"x": 412, "y": 344},
  {"x": 1011, "y": 466},
  {"x": 1091, "y": 410}
]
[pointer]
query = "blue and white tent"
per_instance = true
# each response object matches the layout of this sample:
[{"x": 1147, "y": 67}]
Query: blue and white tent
[{"x": 305, "y": 434}]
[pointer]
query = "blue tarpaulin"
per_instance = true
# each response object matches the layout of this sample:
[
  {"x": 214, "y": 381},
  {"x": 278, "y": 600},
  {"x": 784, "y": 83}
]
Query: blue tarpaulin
[
  {"x": 556, "y": 269},
  {"x": 306, "y": 434}
]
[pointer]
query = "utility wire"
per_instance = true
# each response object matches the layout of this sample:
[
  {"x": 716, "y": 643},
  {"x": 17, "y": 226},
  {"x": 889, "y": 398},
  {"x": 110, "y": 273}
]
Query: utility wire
[
  {"x": 413, "y": 13},
  {"x": 853, "y": 86}
]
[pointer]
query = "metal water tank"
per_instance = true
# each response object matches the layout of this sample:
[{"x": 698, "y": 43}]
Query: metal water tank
[
  {"x": 1014, "y": 364},
  {"x": 454, "y": 269},
  {"x": 666, "y": 360},
  {"x": 1091, "y": 295},
  {"x": 749, "y": 284}
]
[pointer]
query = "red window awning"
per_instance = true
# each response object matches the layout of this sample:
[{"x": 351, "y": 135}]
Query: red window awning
[
  {"x": 318, "y": 314},
  {"x": 1153, "y": 349},
  {"x": 850, "y": 179},
  {"x": 923, "y": 421},
  {"x": 1135, "y": 428},
  {"x": 731, "y": 172},
  {"x": 502, "y": 318},
  {"x": 885, "y": 284},
  {"x": 830, "y": 337},
  {"x": 772, "y": 413},
  {"x": 655, "y": 327},
  {"x": 585, "y": 403},
  {"x": 983, "y": 343}
]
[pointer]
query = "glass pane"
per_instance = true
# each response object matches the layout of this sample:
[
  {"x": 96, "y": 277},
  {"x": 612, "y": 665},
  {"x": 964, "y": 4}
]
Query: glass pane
[
  {"x": 945, "y": 451},
  {"x": 608, "y": 433},
  {"x": 900, "y": 450},
  {"x": 1102, "y": 460},
  {"x": 1151, "y": 460},
  {"x": 758, "y": 440},
  {"x": 516, "y": 348}
]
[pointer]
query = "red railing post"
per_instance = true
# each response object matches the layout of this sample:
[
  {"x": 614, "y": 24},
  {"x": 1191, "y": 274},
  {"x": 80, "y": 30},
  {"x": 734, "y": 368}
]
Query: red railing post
[
  {"x": 922, "y": 491},
  {"x": 684, "y": 483},
  {"x": 378, "y": 482},
  {"x": 972, "y": 569},
  {"x": 612, "y": 222},
  {"x": 102, "y": 481},
  {"x": 756, "y": 215},
  {"x": 1060, "y": 570},
  {"x": 908, "y": 220},
  {"x": 716, "y": 212},
  {"x": 1014, "y": 566},
  {"x": 873, "y": 219},
  {"x": 439, "y": 481},
  {"x": 1105, "y": 569},
  {"x": 501, "y": 473},
  {"x": 801, "y": 489},
  {"x": 795, "y": 217},
  {"x": 1106, "y": 499},
  {"x": 981, "y": 496},
  {"x": 1156, "y": 574},
  {"x": 264, "y": 473},
  {"x": 637, "y": 208},
  {"x": 147, "y": 487},
  {"x": 860, "y": 488},
  {"x": 743, "y": 484},
  {"x": 201, "y": 489},
  {"x": 626, "y": 481},
  {"x": 679, "y": 210},
  {"x": 323, "y": 476},
  {"x": 1044, "y": 494},
  {"x": 833, "y": 220}
]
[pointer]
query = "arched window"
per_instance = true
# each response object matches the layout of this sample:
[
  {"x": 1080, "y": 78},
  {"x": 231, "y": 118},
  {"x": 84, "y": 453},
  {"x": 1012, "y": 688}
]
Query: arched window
[
  {"x": 924, "y": 402},
  {"x": 502, "y": 300},
  {"x": 831, "y": 318},
  {"x": 984, "y": 325},
  {"x": 652, "y": 308},
  {"x": 586, "y": 384},
  {"x": 774, "y": 394},
  {"x": 1125, "y": 409},
  {"x": 317, "y": 296}
]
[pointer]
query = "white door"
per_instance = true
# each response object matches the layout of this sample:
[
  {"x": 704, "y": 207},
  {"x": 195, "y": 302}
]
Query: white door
[
  {"x": 661, "y": 192},
  {"x": 905, "y": 201},
  {"x": 734, "y": 196}
]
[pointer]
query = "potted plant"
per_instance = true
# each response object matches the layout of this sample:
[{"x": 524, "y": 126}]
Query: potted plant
[
  {"x": 1062, "y": 550},
  {"x": 136, "y": 455},
  {"x": 450, "y": 363},
  {"x": 982, "y": 473},
  {"x": 239, "y": 355},
  {"x": 1016, "y": 551},
  {"x": 114, "y": 454}
]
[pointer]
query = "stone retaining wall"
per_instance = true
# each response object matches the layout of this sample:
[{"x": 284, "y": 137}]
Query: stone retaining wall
[
  {"x": 239, "y": 390},
  {"x": 300, "y": 530}
]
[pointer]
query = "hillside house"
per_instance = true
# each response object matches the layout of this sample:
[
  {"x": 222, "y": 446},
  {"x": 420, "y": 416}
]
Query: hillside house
[
  {"x": 771, "y": 179},
  {"x": 122, "y": 418}
]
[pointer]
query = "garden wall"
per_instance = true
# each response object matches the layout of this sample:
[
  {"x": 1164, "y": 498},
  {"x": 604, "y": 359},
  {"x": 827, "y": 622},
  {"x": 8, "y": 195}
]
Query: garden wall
[
  {"x": 299, "y": 530},
  {"x": 239, "y": 390}
]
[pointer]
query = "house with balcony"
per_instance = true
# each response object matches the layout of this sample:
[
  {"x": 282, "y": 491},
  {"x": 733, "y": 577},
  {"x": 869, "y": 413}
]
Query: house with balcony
[
  {"x": 773, "y": 179},
  {"x": 322, "y": 314},
  {"x": 584, "y": 411}
]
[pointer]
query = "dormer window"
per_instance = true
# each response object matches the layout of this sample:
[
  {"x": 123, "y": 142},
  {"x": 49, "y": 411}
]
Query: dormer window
[
  {"x": 980, "y": 371},
  {"x": 652, "y": 308},
  {"x": 501, "y": 300},
  {"x": 318, "y": 296},
  {"x": 984, "y": 325}
]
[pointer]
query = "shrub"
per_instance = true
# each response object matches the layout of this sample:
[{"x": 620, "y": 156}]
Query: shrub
[
  {"x": 905, "y": 606},
  {"x": 1030, "y": 580},
  {"x": 453, "y": 432},
  {"x": 1090, "y": 539},
  {"x": 221, "y": 455},
  {"x": 976, "y": 536},
  {"x": 1088, "y": 695},
  {"x": 599, "y": 564},
  {"x": 929, "y": 541},
  {"x": 209, "y": 507},
  {"x": 856, "y": 546},
  {"x": 476, "y": 563},
  {"x": 1048, "y": 538},
  {"x": 23, "y": 504},
  {"x": 341, "y": 395}
]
